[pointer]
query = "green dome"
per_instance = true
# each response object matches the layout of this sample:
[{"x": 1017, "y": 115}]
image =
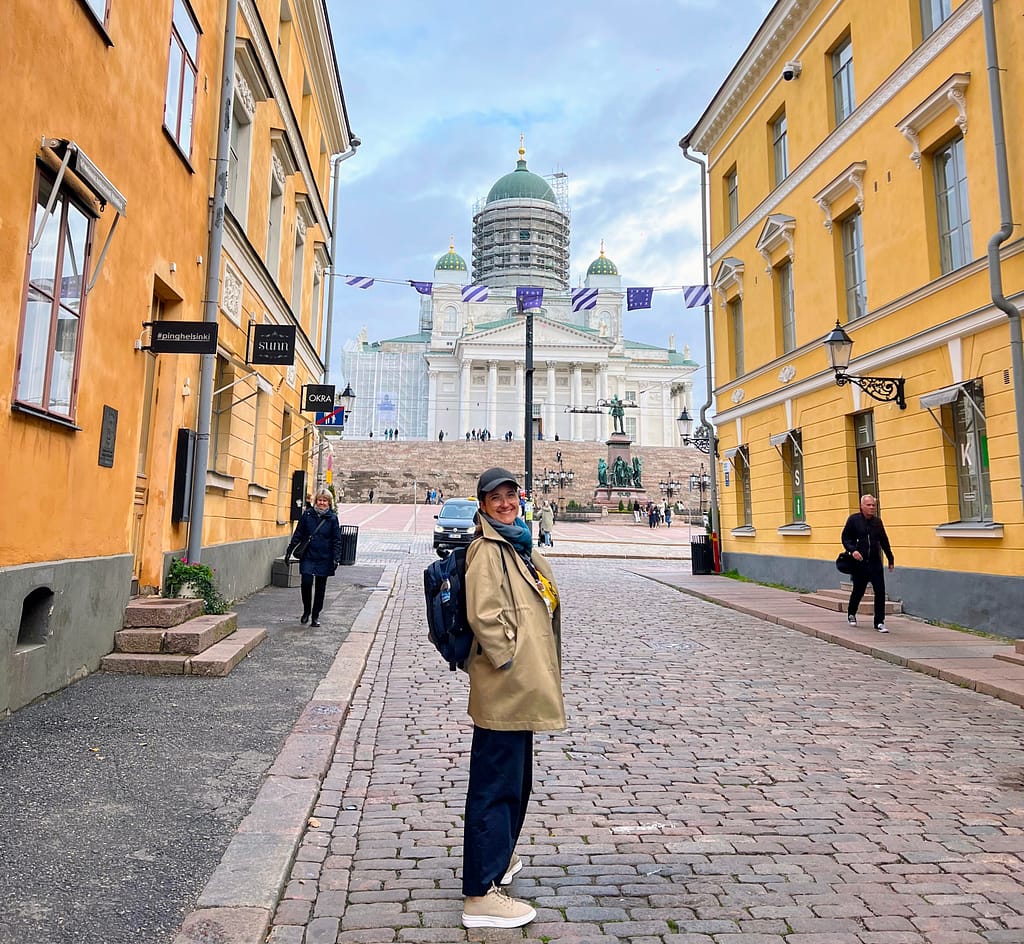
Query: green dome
[
  {"x": 451, "y": 261},
  {"x": 602, "y": 266},
  {"x": 522, "y": 184}
]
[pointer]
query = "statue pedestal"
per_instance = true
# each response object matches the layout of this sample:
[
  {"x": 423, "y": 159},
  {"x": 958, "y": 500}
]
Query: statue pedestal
[{"x": 620, "y": 484}]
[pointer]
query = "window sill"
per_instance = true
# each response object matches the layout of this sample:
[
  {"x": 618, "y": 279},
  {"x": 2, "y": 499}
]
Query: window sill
[
  {"x": 219, "y": 481},
  {"x": 970, "y": 529},
  {"x": 798, "y": 527},
  {"x": 45, "y": 417},
  {"x": 747, "y": 531},
  {"x": 259, "y": 492}
]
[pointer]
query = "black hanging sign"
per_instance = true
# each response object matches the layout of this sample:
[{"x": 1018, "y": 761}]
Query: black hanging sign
[
  {"x": 318, "y": 398},
  {"x": 183, "y": 337},
  {"x": 273, "y": 344}
]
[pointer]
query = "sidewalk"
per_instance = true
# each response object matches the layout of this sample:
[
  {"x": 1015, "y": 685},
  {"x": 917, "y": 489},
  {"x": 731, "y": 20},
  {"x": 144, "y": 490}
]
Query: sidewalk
[{"x": 950, "y": 655}]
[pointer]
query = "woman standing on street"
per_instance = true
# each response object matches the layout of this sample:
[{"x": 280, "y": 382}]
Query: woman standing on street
[
  {"x": 515, "y": 688},
  {"x": 318, "y": 538}
]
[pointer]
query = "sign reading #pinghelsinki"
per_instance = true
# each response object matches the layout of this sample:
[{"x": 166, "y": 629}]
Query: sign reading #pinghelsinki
[
  {"x": 317, "y": 398},
  {"x": 183, "y": 337}
]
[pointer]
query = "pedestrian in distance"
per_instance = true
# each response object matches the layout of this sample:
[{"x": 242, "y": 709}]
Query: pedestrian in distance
[
  {"x": 547, "y": 522},
  {"x": 515, "y": 689},
  {"x": 318, "y": 535},
  {"x": 370, "y": 496},
  {"x": 865, "y": 538}
]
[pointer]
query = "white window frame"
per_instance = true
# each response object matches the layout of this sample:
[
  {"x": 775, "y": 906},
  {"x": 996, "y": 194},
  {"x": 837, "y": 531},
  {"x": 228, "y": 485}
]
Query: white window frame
[
  {"x": 854, "y": 267},
  {"x": 952, "y": 208},
  {"x": 844, "y": 96}
]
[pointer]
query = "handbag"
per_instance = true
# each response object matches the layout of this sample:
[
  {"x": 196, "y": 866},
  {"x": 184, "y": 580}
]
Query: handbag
[
  {"x": 845, "y": 563},
  {"x": 300, "y": 549}
]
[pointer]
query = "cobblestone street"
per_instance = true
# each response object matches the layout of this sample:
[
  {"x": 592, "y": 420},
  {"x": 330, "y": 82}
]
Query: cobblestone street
[{"x": 723, "y": 780}]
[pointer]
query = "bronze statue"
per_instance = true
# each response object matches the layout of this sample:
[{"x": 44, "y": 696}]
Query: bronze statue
[
  {"x": 637, "y": 467},
  {"x": 617, "y": 412},
  {"x": 622, "y": 474},
  {"x": 602, "y": 472}
]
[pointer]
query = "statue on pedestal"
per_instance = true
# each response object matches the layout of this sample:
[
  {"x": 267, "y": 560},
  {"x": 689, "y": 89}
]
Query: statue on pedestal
[
  {"x": 637, "y": 471},
  {"x": 617, "y": 412},
  {"x": 602, "y": 472}
]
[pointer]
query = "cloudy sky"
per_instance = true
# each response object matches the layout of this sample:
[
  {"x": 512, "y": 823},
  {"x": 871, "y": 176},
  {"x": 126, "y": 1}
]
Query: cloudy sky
[{"x": 602, "y": 90}]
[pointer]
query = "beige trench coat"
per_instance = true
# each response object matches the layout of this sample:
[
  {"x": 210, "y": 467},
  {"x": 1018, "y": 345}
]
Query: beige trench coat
[{"x": 510, "y": 621}]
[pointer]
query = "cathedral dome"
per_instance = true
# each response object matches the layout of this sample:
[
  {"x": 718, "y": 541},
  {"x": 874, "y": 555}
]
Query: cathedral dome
[
  {"x": 602, "y": 265},
  {"x": 521, "y": 184},
  {"x": 451, "y": 261}
]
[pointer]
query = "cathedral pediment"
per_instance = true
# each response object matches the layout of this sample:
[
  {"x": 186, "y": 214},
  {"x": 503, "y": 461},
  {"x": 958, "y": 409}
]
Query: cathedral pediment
[{"x": 546, "y": 333}]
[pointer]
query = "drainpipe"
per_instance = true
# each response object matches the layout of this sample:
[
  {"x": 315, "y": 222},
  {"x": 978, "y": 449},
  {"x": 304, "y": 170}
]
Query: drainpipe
[
  {"x": 212, "y": 296},
  {"x": 995, "y": 275},
  {"x": 705, "y": 422},
  {"x": 337, "y": 159}
]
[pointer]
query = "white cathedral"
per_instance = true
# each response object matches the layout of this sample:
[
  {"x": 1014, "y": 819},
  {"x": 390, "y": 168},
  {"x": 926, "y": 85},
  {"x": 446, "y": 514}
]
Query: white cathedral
[{"x": 465, "y": 368}]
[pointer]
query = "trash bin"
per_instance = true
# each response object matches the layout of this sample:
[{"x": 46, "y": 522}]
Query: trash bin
[
  {"x": 349, "y": 539},
  {"x": 702, "y": 556}
]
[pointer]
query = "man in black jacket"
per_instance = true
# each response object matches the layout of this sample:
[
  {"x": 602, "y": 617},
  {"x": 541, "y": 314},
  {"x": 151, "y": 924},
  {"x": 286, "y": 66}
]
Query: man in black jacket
[{"x": 865, "y": 538}]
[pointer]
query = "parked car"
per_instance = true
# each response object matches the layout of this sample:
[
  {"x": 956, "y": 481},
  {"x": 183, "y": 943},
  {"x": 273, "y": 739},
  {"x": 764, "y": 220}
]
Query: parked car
[{"x": 456, "y": 525}]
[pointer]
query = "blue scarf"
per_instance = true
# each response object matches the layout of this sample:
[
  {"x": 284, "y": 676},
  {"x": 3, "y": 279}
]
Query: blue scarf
[{"x": 518, "y": 534}]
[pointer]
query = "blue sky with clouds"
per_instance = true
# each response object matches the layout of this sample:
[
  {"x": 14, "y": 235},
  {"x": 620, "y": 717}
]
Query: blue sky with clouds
[{"x": 439, "y": 94}]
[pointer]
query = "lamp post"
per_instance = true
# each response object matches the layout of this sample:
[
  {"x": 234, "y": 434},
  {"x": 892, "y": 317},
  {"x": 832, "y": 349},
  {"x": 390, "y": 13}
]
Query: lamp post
[
  {"x": 703, "y": 441},
  {"x": 700, "y": 482},
  {"x": 670, "y": 488},
  {"x": 561, "y": 478},
  {"x": 839, "y": 347}
]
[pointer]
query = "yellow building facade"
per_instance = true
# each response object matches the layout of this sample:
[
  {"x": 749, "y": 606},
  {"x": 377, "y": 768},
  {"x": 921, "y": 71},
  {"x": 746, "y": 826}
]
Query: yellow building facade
[
  {"x": 109, "y": 146},
  {"x": 852, "y": 178}
]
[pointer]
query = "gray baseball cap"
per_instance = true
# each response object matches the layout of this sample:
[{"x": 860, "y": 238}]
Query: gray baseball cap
[{"x": 492, "y": 478}]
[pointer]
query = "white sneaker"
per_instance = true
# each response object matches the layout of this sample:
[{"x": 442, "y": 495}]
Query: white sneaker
[
  {"x": 851, "y": 619},
  {"x": 496, "y": 910},
  {"x": 515, "y": 866},
  {"x": 881, "y": 628}
]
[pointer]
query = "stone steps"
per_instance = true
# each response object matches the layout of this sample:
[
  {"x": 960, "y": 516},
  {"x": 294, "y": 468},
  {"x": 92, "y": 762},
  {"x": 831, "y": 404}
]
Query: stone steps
[
  {"x": 837, "y": 600},
  {"x": 176, "y": 637},
  {"x": 1016, "y": 657},
  {"x": 216, "y": 661}
]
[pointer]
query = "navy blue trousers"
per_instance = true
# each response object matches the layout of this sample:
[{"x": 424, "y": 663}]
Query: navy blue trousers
[{"x": 500, "y": 781}]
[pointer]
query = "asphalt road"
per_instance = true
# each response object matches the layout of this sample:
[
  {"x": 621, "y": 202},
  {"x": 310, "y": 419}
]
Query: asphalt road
[{"x": 120, "y": 793}]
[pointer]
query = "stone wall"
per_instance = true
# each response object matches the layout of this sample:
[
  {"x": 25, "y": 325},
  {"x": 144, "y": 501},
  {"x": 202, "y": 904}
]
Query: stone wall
[{"x": 403, "y": 471}]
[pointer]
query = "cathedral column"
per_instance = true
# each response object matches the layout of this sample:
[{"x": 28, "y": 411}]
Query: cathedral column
[
  {"x": 465, "y": 379},
  {"x": 432, "y": 421},
  {"x": 576, "y": 386},
  {"x": 492, "y": 396},
  {"x": 600, "y": 432},
  {"x": 551, "y": 424}
]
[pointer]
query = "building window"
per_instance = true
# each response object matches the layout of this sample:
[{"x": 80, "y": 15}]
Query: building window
[
  {"x": 450, "y": 319},
  {"x": 864, "y": 444},
  {"x": 275, "y": 217},
  {"x": 953, "y": 211},
  {"x": 780, "y": 149},
  {"x": 524, "y": 235},
  {"x": 182, "y": 69},
  {"x": 970, "y": 442},
  {"x": 629, "y": 426},
  {"x": 48, "y": 355},
  {"x": 99, "y": 8},
  {"x": 736, "y": 332},
  {"x": 744, "y": 507},
  {"x": 787, "y": 314},
  {"x": 732, "y": 197},
  {"x": 842, "y": 80},
  {"x": 220, "y": 420},
  {"x": 853, "y": 267},
  {"x": 238, "y": 161},
  {"x": 298, "y": 260},
  {"x": 793, "y": 460},
  {"x": 933, "y": 14},
  {"x": 316, "y": 307}
]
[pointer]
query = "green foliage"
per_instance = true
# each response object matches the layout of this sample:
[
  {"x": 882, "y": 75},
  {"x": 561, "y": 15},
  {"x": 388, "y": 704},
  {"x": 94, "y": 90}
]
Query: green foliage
[
  {"x": 198, "y": 576},
  {"x": 572, "y": 506},
  {"x": 622, "y": 506}
]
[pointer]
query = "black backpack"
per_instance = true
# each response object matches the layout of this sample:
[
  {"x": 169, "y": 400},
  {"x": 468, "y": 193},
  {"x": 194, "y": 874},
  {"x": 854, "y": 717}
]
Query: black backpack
[{"x": 444, "y": 587}]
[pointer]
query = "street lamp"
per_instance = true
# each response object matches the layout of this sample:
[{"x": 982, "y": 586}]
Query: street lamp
[
  {"x": 839, "y": 347},
  {"x": 561, "y": 478},
  {"x": 700, "y": 482},
  {"x": 345, "y": 400},
  {"x": 702, "y": 441},
  {"x": 670, "y": 488}
]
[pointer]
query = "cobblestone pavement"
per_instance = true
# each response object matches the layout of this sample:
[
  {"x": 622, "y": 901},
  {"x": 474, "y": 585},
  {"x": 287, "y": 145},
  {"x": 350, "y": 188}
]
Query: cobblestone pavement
[{"x": 723, "y": 780}]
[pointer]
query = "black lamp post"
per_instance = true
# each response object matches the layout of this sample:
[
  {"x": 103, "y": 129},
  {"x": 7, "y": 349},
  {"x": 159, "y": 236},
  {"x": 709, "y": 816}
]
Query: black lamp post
[
  {"x": 700, "y": 482},
  {"x": 670, "y": 488},
  {"x": 839, "y": 346},
  {"x": 561, "y": 478},
  {"x": 345, "y": 399},
  {"x": 703, "y": 441}
]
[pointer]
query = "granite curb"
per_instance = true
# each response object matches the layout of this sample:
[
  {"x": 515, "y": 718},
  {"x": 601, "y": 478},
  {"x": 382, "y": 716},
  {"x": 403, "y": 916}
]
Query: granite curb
[
  {"x": 950, "y": 655},
  {"x": 237, "y": 904}
]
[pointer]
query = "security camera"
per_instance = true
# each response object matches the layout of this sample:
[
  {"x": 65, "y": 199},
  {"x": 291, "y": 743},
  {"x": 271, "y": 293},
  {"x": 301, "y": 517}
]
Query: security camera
[{"x": 791, "y": 70}]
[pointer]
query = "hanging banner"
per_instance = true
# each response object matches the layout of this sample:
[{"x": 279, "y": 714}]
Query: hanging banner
[
  {"x": 318, "y": 398},
  {"x": 273, "y": 344},
  {"x": 183, "y": 337}
]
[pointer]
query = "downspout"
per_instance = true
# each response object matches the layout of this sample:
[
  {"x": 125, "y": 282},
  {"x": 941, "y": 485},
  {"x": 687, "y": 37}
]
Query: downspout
[
  {"x": 329, "y": 328},
  {"x": 995, "y": 275},
  {"x": 207, "y": 361},
  {"x": 705, "y": 422}
]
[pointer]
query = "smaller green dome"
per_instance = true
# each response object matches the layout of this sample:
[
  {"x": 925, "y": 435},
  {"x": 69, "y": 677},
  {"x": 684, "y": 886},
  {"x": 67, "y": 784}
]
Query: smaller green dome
[
  {"x": 451, "y": 261},
  {"x": 602, "y": 265}
]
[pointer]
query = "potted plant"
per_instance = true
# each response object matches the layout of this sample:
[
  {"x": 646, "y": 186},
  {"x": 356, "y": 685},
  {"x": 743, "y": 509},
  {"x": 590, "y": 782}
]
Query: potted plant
[{"x": 193, "y": 580}]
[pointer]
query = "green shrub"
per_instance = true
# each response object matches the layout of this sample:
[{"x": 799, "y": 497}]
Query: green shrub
[{"x": 200, "y": 577}]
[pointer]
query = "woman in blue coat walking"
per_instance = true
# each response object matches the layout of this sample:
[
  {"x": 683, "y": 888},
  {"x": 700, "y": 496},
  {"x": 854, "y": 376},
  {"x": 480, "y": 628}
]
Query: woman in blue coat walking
[{"x": 318, "y": 535}]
